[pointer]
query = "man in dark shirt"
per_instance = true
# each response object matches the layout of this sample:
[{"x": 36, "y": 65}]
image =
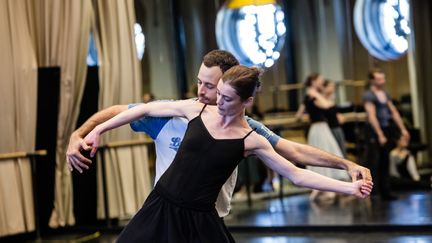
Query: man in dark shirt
[{"x": 380, "y": 112}]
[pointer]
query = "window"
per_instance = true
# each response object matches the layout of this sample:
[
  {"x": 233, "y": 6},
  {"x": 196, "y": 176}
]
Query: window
[
  {"x": 383, "y": 27},
  {"x": 139, "y": 40},
  {"x": 92, "y": 56},
  {"x": 255, "y": 34}
]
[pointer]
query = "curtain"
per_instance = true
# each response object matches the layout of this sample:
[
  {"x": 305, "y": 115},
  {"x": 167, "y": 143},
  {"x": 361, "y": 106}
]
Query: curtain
[
  {"x": 60, "y": 34},
  {"x": 422, "y": 36},
  {"x": 316, "y": 40},
  {"x": 18, "y": 91},
  {"x": 128, "y": 182}
]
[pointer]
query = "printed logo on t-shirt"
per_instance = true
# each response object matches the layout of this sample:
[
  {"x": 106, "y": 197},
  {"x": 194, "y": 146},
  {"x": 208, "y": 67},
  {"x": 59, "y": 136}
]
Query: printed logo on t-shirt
[{"x": 175, "y": 143}]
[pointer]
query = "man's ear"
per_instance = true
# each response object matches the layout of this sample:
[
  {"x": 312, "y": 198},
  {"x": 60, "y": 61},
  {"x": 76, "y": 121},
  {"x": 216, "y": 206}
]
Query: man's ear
[{"x": 249, "y": 102}]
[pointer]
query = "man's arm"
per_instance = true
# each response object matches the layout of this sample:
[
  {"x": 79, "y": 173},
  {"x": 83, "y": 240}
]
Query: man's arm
[
  {"x": 397, "y": 119},
  {"x": 308, "y": 155},
  {"x": 373, "y": 120},
  {"x": 76, "y": 141}
]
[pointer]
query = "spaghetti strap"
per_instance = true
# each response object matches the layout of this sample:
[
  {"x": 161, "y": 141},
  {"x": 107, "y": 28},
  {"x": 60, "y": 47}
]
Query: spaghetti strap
[
  {"x": 202, "y": 109},
  {"x": 249, "y": 133}
]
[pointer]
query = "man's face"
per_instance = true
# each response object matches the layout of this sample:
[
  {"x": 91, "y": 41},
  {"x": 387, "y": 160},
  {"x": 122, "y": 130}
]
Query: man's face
[
  {"x": 329, "y": 89},
  {"x": 228, "y": 101},
  {"x": 379, "y": 79},
  {"x": 208, "y": 79}
]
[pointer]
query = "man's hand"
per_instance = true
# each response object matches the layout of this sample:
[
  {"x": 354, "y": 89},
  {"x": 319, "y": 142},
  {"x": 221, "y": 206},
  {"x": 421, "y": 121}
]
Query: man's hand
[
  {"x": 358, "y": 172},
  {"x": 74, "y": 158},
  {"x": 405, "y": 134},
  {"x": 382, "y": 140}
]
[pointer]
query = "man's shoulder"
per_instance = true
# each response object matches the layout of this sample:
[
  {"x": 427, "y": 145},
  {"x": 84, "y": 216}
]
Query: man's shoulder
[{"x": 368, "y": 95}]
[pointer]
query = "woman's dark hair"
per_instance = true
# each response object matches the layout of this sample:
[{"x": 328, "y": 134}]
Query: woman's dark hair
[
  {"x": 244, "y": 80},
  {"x": 310, "y": 78},
  {"x": 220, "y": 58},
  {"x": 327, "y": 82}
]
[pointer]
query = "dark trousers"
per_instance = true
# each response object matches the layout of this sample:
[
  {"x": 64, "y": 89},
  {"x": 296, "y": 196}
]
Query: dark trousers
[{"x": 378, "y": 161}]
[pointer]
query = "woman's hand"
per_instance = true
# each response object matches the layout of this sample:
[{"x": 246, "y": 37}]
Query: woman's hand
[
  {"x": 93, "y": 139},
  {"x": 363, "y": 188}
]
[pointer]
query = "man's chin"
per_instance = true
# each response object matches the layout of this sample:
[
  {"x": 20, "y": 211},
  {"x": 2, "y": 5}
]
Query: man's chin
[
  {"x": 206, "y": 101},
  {"x": 203, "y": 100}
]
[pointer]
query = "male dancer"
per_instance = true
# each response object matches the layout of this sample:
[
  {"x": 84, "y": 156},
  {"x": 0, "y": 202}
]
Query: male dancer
[
  {"x": 381, "y": 111},
  {"x": 168, "y": 133}
]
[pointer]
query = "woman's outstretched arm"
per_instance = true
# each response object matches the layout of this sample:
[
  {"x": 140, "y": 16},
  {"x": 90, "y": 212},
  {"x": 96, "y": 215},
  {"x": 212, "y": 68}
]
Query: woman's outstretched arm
[
  {"x": 303, "y": 177},
  {"x": 183, "y": 108}
]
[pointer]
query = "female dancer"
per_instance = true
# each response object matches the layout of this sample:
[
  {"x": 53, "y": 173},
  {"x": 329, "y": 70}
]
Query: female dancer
[
  {"x": 181, "y": 206},
  {"x": 319, "y": 134},
  {"x": 334, "y": 119}
]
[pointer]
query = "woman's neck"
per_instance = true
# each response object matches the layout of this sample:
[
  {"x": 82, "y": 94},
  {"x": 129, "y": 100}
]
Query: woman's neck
[{"x": 234, "y": 119}]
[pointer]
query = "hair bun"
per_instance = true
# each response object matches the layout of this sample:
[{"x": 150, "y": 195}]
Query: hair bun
[{"x": 258, "y": 72}]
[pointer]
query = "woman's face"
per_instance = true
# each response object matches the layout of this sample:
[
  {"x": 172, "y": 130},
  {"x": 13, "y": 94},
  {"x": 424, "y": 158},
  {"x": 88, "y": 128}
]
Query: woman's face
[
  {"x": 228, "y": 102},
  {"x": 318, "y": 82}
]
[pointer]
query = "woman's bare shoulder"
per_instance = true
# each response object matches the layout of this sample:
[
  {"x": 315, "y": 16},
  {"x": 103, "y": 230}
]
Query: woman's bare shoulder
[
  {"x": 255, "y": 141},
  {"x": 191, "y": 107}
]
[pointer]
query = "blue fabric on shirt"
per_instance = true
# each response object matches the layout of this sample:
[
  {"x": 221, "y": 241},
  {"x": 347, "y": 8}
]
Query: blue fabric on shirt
[
  {"x": 150, "y": 125},
  {"x": 263, "y": 131}
]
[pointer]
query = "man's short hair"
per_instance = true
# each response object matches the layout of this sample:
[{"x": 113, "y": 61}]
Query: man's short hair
[
  {"x": 371, "y": 73},
  {"x": 220, "y": 58}
]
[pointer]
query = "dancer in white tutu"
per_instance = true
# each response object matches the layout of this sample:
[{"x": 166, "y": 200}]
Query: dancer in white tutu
[{"x": 319, "y": 134}]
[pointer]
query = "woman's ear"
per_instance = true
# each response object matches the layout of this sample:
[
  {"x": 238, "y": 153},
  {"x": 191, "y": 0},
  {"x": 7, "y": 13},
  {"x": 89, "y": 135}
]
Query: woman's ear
[{"x": 249, "y": 102}]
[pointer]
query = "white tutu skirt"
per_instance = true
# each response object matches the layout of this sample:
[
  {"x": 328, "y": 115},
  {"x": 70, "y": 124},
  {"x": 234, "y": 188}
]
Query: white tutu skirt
[{"x": 320, "y": 136}]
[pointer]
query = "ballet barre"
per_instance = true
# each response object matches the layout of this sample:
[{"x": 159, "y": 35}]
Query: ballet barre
[
  {"x": 128, "y": 143},
  {"x": 357, "y": 84},
  {"x": 18, "y": 155},
  {"x": 300, "y": 85},
  {"x": 289, "y": 121}
]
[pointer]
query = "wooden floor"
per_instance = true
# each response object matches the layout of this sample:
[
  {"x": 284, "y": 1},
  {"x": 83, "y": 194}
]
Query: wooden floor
[{"x": 295, "y": 219}]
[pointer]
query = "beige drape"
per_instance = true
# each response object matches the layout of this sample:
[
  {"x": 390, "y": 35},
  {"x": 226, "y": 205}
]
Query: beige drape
[
  {"x": 60, "y": 33},
  {"x": 128, "y": 179},
  {"x": 18, "y": 90}
]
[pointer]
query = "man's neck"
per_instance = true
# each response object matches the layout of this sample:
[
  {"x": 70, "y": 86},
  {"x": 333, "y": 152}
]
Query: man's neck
[{"x": 376, "y": 88}]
